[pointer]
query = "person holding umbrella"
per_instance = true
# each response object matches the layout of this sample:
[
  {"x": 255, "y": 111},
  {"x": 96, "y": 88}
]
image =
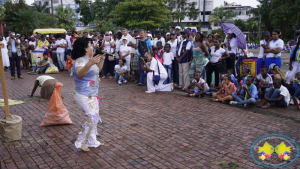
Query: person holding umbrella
[{"x": 231, "y": 50}]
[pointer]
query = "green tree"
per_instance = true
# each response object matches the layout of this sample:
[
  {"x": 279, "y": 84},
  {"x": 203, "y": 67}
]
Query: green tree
[
  {"x": 183, "y": 8},
  {"x": 85, "y": 12},
  {"x": 220, "y": 15},
  {"x": 25, "y": 20},
  {"x": 146, "y": 14},
  {"x": 264, "y": 12},
  {"x": 66, "y": 17},
  {"x": 41, "y": 7},
  {"x": 2, "y": 12},
  {"x": 241, "y": 24}
]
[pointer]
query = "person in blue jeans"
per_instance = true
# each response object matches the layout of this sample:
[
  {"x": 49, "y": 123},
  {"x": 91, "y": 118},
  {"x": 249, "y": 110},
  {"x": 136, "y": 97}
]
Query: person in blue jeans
[
  {"x": 121, "y": 71},
  {"x": 143, "y": 45},
  {"x": 247, "y": 96},
  {"x": 167, "y": 62},
  {"x": 42, "y": 65},
  {"x": 278, "y": 95}
]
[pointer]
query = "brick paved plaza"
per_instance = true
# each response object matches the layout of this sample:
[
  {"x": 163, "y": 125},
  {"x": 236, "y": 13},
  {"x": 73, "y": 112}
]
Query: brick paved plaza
[{"x": 160, "y": 130}]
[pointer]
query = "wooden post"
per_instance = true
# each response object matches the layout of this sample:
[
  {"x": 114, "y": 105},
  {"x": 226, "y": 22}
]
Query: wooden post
[{"x": 2, "y": 75}]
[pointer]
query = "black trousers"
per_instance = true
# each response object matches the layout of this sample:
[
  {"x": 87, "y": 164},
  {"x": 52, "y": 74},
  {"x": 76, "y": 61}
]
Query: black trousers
[
  {"x": 213, "y": 67},
  {"x": 15, "y": 60},
  {"x": 230, "y": 63},
  {"x": 175, "y": 70}
]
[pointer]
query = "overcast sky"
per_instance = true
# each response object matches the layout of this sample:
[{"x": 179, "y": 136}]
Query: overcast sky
[{"x": 217, "y": 3}]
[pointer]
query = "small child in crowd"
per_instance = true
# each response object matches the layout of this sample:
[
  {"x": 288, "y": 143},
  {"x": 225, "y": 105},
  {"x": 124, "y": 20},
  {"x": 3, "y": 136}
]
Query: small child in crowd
[
  {"x": 247, "y": 96},
  {"x": 198, "y": 87},
  {"x": 277, "y": 95},
  {"x": 159, "y": 52},
  {"x": 121, "y": 71},
  {"x": 167, "y": 62},
  {"x": 224, "y": 94},
  {"x": 263, "y": 81},
  {"x": 230, "y": 73}
]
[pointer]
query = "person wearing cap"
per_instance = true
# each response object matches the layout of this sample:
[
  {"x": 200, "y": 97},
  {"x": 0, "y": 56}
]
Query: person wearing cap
[
  {"x": 32, "y": 42},
  {"x": 168, "y": 36},
  {"x": 43, "y": 44},
  {"x": 178, "y": 29},
  {"x": 175, "y": 69},
  {"x": 143, "y": 45},
  {"x": 231, "y": 50},
  {"x": 193, "y": 33},
  {"x": 262, "y": 55},
  {"x": 294, "y": 59},
  {"x": 14, "y": 53},
  {"x": 159, "y": 38},
  {"x": 125, "y": 53},
  {"x": 184, "y": 59},
  {"x": 134, "y": 55},
  {"x": 149, "y": 36}
]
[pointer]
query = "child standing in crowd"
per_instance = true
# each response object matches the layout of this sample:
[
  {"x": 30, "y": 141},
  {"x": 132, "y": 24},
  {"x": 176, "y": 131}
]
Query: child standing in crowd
[
  {"x": 247, "y": 96},
  {"x": 198, "y": 87},
  {"x": 230, "y": 73},
  {"x": 224, "y": 94},
  {"x": 159, "y": 52},
  {"x": 263, "y": 81},
  {"x": 168, "y": 57},
  {"x": 277, "y": 95},
  {"x": 121, "y": 71}
]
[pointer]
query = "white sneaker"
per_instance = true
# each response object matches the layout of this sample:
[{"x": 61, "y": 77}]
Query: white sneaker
[
  {"x": 233, "y": 103},
  {"x": 292, "y": 102},
  {"x": 172, "y": 86},
  {"x": 119, "y": 82},
  {"x": 124, "y": 81},
  {"x": 149, "y": 91}
]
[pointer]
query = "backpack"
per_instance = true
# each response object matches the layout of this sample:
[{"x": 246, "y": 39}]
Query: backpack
[{"x": 142, "y": 47}]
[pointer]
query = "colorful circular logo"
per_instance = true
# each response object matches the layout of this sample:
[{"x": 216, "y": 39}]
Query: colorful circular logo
[{"x": 274, "y": 151}]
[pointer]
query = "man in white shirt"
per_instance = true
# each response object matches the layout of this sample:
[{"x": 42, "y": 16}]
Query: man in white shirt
[
  {"x": 14, "y": 53},
  {"x": 155, "y": 68},
  {"x": 277, "y": 95},
  {"x": 126, "y": 35},
  {"x": 159, "y": 38},
  {"x": 91, "y": 34},
  {"x": 60, "y": 51}
]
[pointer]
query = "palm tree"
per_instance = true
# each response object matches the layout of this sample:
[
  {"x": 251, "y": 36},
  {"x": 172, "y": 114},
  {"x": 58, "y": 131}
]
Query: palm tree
[
  {"x": 66, "y": 17},
  {"x": 41, "y": 7},
  {"x": 220, "y": 15}
]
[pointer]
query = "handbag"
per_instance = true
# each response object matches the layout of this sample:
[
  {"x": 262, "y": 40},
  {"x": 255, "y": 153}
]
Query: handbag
[{"x": 156, "y": 78}]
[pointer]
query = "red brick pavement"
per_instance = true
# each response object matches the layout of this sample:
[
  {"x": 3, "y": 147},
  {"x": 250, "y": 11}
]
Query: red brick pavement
[{"x": 160, "y": 130}]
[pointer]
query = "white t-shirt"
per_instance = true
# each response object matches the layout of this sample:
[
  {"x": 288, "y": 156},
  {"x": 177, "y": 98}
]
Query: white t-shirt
[
  {"x": 32, "y": 43},
  {"x": 123, "y": 68},
  {"x": 268, "y": 80},
  {"x": 107, "y": 47},
  {"x": 285, "y": 93},
  {"x": 261, "y": 49},
  {"x": 173, "y": 46},
  {"x": 90, "y": 36},
  {"x": 43, "y": 78},
  {"x": 167, "y": 58},
  {"x": 124, "y": 49},
  {"x": 275, "y": 45},
  {"x": 153, "y": 66},
  {"x": 128, "y": 37},
  {"x": 68, "y": 39},
  {"x": 215, "y": 56},
  {"x": 233, "y": 45},
  {"x": 202, "y": 81},
  {"x": 162, "y": 40},
  {"x": 179, "y": 38},
  {"x": 60, "y": 42},
  {"x": 188, "y": 46}
]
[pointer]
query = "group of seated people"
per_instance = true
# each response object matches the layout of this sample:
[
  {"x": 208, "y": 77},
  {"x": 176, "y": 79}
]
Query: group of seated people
[{"x": 261, "y": 91}]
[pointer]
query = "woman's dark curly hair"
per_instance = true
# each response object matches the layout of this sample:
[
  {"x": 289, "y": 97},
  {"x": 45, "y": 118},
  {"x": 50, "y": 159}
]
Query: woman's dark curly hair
[{"x": 79, "y": 47}]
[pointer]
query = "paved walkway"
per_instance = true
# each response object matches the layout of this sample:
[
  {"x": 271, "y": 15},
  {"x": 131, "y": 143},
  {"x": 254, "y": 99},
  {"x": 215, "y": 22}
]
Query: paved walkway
[{"x": 160, "y": 130}]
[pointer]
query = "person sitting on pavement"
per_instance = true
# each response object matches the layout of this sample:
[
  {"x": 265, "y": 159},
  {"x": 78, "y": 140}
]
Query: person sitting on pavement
[
  {"x": 198, "y": 87},
  {"x": 277, "y": 95},
  {"x": 47, "y": 84},
  {"x": 227, "y": 88},
  {"x": 121, "y": 72},
  {"x": 247, "y": 96},
  {"x": 294, "y": 89},
  {"x": 42, "y": 65},
  {"x": 263, "y": 81}
]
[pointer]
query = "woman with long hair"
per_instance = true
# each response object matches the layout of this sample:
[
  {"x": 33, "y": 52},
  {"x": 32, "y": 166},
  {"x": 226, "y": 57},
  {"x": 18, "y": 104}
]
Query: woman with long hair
[
  {"x": 294, "y": 60},
  {"x": 199, "y": 53},
  {"x": 85, "y": 74},
  {"x": 274, "y": 48}
]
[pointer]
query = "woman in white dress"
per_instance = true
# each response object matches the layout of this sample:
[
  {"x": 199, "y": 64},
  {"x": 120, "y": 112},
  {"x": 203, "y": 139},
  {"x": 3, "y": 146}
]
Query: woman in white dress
[{"x": 4, "y": 52}]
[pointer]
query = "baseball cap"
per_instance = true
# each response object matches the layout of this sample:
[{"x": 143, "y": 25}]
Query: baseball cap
[
  {"x": 124, "y": 38},
  {"x": 168, "y": 33},
  {"x": 110, "y": 32},
  {"x": 136, "y": 30},
  {"x": 42, "y": 36},
  {"x": 149, "y": 34},
  {"x": 18, "y": 34},
  {"x": 173, "y": 33},
  {"x": 178, "y": 27},
  {"x": 185, "y": 31},
  {"x": 193, "y": 31}
]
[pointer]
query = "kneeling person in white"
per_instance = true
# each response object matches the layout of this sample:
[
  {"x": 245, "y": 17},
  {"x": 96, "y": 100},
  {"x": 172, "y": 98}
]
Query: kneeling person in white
[{"x": 155, "y": 68}]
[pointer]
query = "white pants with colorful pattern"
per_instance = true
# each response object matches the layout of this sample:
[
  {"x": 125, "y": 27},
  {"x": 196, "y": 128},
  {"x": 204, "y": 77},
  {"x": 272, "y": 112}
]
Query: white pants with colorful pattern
[{"x": 87, "y": 135}]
